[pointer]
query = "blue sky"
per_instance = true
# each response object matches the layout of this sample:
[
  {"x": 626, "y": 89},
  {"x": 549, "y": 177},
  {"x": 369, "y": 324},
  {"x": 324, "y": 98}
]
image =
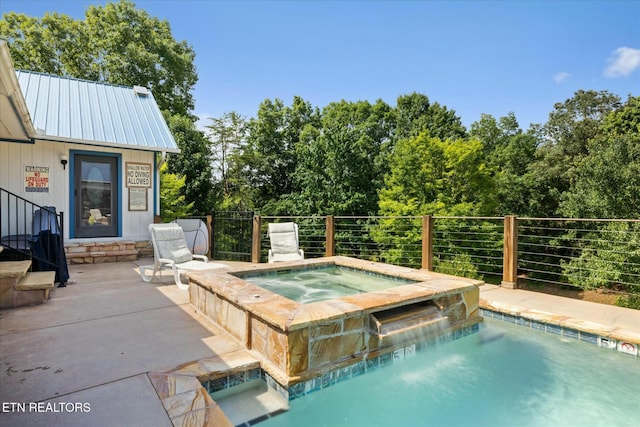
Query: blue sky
[{"x": 472, "y": 56}]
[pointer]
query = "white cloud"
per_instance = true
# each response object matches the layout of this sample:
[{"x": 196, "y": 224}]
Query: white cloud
[
  {"x": 623, "y": 62},
  {"x": 560, "y": 77},
  {"x": 203, "y": 120}
]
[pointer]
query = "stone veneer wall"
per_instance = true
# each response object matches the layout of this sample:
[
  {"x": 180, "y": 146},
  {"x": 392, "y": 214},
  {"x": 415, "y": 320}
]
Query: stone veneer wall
[
  {"x": 101, "y": 252},
  {"x": 303, "y": 352}
]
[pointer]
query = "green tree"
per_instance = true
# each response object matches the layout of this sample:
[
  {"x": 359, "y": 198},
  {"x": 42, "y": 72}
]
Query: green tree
[
  {"x": 432, "y": 176},
  {"x": 172, "y": 201},
  {"x": 228, "y": 135},
  {"x": 509, "y": 151},
  {"x": 193, "y": 162},
  {"x": 607, "y": 179},
  {"x": 54, "y": 44},
  {"x": 269, "y": 159},
  {"x": 564, "y": 143},
  {"x": 414, "y": 114},
  {"x": 341, "y": 164},
  {"x": 609, "y": 259}
]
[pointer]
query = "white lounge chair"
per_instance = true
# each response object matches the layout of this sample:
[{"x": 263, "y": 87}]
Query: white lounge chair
[
  {"x": 284, "y": 242},
  {"x": 170, "y": 249},
  {"x": 196, "y": 234}
]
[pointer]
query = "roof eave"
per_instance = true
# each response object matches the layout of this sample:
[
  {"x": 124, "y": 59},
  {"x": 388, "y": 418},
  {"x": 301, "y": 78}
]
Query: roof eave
[
  {"x": 8, "y": 76},
  {"x": 107, "y": 144}
]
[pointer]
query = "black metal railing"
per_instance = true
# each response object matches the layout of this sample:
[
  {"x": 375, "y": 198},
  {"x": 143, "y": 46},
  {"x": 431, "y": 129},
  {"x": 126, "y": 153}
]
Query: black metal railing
[
  {"x": 231, "y": 235},
  {"x": 31, "y": 231}
]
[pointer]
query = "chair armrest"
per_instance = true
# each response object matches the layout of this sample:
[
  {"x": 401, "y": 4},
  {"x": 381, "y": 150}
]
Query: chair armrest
[
  {"x": 201, "y": 257},
  {"x": 166, "y": 261}
]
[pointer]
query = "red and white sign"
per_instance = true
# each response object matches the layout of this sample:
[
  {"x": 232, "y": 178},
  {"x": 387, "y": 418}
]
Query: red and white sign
[{"x": 36, "y": 179}]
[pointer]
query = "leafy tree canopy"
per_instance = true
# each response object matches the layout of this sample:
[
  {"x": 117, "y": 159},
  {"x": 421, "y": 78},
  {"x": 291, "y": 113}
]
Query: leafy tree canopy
[
  {"x": 172, "y": 202},
  {"x": 508, "y": 151},
  {"x": 228, "y": 136},
  {"x": 415, "y": 114},
  {"x": 340, "y": 163},
  {"x": 120, "y": 44},
  {"x": 432, "y": 176},
  {"x": 564, "y": 143},
  {"x": 607, "y": 182},
  {"x": 269, "y": 159},
  {"x": 193, "y": 163}
]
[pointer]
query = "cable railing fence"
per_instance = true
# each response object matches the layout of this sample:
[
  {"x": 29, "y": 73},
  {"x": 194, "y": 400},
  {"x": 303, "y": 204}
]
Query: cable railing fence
[
  {"x": 597, "y": 254},
  {"x": 392, "y": 240},
  {"x": 469, "y": 246}
]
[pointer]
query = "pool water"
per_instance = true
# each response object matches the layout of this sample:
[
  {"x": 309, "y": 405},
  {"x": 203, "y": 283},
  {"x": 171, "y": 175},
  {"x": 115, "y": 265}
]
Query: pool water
[
  {"x": 323, "y": 283},
  {"x": 504, "y": 375}
]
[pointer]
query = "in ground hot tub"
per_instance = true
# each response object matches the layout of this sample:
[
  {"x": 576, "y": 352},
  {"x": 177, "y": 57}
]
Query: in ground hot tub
[
  {"x": 321, "y": 282},
  {"x": 299, "y": 340}
]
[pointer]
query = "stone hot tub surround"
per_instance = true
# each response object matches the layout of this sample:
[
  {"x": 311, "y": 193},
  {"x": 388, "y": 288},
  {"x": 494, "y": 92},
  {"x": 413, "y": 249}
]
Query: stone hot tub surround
[{"x": 300, "y": 341}]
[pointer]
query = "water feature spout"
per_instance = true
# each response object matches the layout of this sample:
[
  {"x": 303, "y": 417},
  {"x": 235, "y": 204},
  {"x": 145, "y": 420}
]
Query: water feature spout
[{"x": 406, "y": 323}]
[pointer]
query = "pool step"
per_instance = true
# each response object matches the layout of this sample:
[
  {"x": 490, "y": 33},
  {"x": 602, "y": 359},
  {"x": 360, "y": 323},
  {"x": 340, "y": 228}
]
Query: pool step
[{"x": 250, "y": 402}]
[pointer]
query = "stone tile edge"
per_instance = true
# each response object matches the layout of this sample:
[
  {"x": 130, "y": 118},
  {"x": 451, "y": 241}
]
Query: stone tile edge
[{"x": 620, "y": 339}]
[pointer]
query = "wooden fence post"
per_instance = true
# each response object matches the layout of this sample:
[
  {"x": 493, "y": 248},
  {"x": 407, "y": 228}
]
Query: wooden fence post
[
  {"x": 330, "y": 236},
  {"x": 255, "y": 239},
  {"x": 510, "y": 258},
  {"x": 210, "y": 231},
  {"x": 427, "y": 242}
]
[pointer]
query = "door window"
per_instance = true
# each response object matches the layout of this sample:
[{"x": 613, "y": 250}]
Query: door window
[{"x": 96, "y": 196}]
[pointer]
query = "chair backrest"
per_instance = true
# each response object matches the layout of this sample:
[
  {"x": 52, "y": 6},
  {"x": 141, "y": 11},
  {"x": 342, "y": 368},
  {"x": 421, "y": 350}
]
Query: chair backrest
[
  {"x": 169, "y": 243},
  {"x": 284, "y": 238},
  {"x": 196, "y": 234}
]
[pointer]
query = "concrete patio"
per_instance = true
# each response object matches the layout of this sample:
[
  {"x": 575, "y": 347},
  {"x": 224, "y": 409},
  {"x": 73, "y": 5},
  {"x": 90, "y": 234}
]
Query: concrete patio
[{"x": 95, "y": 341}]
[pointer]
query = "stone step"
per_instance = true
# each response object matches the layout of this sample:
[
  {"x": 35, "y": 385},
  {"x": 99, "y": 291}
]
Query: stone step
[
  {"x": 19, "y": 287},
  {"x": 14, "y": 269},
  {"x": 37, "y": 280}
]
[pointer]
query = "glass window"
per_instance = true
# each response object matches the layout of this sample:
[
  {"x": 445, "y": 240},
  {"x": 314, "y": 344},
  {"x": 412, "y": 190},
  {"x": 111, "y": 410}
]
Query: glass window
[{"x": 96, "y": 196}]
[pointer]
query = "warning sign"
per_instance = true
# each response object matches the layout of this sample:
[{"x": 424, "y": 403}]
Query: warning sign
[
  {"x": 36, "y": 179},
  {"x": 139, "y": 175}
]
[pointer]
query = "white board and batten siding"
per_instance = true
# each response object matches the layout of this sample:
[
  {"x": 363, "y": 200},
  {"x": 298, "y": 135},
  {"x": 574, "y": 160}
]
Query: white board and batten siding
[{"x": 14, "y": 157}]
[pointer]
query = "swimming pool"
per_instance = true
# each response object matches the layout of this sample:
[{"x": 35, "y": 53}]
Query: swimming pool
[
  {"x": 323, "y": 283},
  {"x": 504, "y": 375}
]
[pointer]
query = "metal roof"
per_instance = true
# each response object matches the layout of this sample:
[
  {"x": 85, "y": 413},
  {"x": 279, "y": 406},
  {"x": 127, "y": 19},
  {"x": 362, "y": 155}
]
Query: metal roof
[{"x": 74, "y": 110}]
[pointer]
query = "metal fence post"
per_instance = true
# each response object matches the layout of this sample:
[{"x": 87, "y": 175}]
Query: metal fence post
[
  {"x": 427, "y": 242},
  {"x": 330, "y": 235},
  {"x": 255, "y": 239},
  {"x": 510, "y": 259}
]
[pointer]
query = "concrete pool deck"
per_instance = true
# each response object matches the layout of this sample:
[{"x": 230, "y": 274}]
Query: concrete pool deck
[{"x": 95, "y": 343}]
